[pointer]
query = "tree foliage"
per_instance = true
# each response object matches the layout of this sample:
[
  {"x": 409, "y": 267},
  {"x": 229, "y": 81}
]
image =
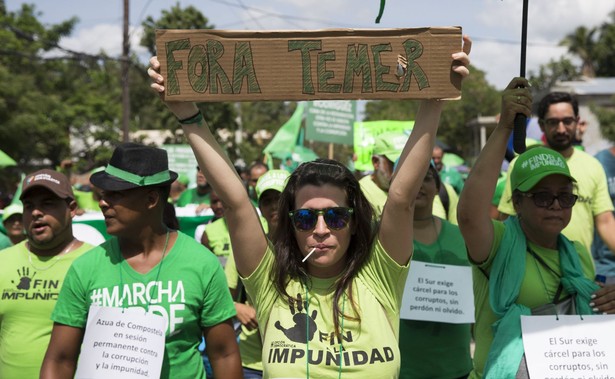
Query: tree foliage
[
  {"x": 604, "y": 59},
  {"x": 581, "y": 42},
  {"x": 606, "y": 118},
  {"x": 550, "y": 73},
  {"x": 223, "y": 117},
  {"x": 40, "y": 95},
  {"x": 175, "y": 18}
]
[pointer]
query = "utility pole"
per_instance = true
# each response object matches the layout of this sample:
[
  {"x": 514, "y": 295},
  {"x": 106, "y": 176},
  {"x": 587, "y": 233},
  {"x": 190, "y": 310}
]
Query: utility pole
[{"x": 125, "y": 68}]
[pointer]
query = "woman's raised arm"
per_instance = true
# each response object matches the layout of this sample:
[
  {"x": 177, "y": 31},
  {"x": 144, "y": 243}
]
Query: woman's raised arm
[
  {"x": 395, "y": 232},
  {"x": 247, "y": 235},
  {"x": 473, "y": 209}
]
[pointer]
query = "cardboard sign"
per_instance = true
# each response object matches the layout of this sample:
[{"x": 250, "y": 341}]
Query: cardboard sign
[
  {"x": 569, "y": 346},
  {"x": 122, "y": 343},
  {"x": 438, "y": 292},
  {"x": 337, "y": 64}
]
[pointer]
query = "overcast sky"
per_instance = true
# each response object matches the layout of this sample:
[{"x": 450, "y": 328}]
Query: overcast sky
[{"x": 494, "y": 25}]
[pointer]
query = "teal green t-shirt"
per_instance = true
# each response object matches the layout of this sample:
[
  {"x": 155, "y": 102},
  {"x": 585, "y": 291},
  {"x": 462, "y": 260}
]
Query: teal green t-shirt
[
  {"x": 191, "y": 295},
  {"x": 191, "y": 196},
  {"x": 436, "y": 350},
  {"x": 5, "y": 241}
]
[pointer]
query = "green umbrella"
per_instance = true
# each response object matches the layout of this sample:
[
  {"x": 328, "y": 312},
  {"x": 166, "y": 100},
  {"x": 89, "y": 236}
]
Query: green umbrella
[
  {"x": 452, "y": 160},
  {"x": 5, "y": 160}
]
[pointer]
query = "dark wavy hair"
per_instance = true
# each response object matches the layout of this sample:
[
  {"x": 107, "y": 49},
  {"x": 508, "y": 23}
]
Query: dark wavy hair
[
  {"x": 288, "y": 257},
  {"x": 554, "y": 98}
]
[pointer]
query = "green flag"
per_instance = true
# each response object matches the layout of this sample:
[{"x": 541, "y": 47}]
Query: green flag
[
  {"x": 286, "y": 137},
  {"x": 5, "y": 160},
  {"x": 18, "y": 191}
]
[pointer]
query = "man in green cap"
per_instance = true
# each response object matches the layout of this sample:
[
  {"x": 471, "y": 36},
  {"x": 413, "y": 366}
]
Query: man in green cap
[
  {"x": 387, "y": 149},
  {"x": 12, "y": 222}
]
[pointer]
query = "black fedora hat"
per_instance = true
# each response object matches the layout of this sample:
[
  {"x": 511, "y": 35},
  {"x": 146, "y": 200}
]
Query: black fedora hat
[{"x": 133, "y": 165}]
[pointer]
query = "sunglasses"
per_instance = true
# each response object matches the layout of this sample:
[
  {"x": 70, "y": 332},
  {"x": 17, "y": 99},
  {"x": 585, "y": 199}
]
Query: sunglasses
[
  {"x": 336, "y": 218},
  {"x": 545, "y": 199},
  {"x": 554, "y": 122}
]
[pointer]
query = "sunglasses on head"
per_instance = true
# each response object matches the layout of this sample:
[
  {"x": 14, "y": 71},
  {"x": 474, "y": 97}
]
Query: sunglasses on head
[
  {"x": 336, "y": 218},
  {"x": 545, "y": 199}
]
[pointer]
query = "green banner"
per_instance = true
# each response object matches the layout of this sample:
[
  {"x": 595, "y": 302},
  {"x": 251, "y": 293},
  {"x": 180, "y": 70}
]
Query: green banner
[
  {"x": 182, "y": 161},
  {"x": 364, "y": 135},
  {"x": 330, "y": 121}
]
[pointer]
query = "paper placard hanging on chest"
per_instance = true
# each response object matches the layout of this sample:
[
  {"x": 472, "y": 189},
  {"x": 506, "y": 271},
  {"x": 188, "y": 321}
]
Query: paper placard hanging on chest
[
  {"x": 122, "y": 343},
  {"x": 559, "y": 346},
  {"x": 439, "y": 293}
]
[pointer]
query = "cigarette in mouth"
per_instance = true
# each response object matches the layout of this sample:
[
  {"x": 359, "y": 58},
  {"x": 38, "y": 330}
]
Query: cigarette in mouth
[{"x": 307, "y": 256}]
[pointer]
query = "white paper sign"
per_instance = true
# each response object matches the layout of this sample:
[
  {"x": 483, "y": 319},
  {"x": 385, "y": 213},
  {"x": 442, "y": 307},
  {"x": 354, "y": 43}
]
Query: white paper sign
[
  {"x": 122, "y": 343},
  {"x": 440, "y": 293},
  {"x": 570, "y": 347}
]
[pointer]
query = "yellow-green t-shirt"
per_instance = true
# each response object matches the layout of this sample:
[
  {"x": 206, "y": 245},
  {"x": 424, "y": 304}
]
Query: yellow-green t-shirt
[
  {"x": 250, "y": 344},
  {"x": 374, "y": 194},
  {"x": 220, "y": 239},
  {"x": 293, "y": 331},
  {"x": 377, "y": 198},
  {"x": 30, "y": 286},
  {"x": 591, "y": 186},
  {"x": 538, "y": 288},
  {"x": 438, "y": 208}
]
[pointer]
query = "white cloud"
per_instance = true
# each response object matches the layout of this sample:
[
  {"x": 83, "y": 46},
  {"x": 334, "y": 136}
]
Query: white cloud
[
  {"x": 105, "y": 38},
  {"x": 548, "y": 23}
]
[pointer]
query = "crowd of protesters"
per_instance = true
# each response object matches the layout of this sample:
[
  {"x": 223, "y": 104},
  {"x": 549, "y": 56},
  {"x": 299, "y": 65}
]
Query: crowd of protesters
[{"x": 301, "y": 272}]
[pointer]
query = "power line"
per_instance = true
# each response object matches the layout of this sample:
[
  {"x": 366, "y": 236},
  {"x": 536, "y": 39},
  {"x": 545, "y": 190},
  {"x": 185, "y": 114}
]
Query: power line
[{"x": 284, "y": 16}]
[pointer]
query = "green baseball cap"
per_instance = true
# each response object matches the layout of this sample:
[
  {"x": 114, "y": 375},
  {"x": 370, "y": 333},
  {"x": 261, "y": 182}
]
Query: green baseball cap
[
  {"x": 13, "y": 209},
  {"x": 271, "y": 180},
  {"x": 535, "y": 164},
  {"x": 390, "y": 144}
]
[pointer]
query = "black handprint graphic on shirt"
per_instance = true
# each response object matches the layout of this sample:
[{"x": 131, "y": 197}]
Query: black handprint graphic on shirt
[
  {"x": 305, "y": 326},
  {"x": 25, "y": 278}
]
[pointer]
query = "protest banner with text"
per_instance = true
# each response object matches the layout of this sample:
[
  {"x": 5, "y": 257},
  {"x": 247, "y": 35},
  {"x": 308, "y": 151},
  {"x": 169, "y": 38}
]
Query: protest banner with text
[{"x": 332, "y": 64}]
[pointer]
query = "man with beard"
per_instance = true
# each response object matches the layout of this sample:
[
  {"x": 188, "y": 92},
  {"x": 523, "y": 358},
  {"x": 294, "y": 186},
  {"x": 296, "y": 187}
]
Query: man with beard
[
  {"x": 558, "y": 117},
  {"x": 33, "y": 271},
  {"x": 375, "y": 187},
  {"x": 199, "y": 196}
]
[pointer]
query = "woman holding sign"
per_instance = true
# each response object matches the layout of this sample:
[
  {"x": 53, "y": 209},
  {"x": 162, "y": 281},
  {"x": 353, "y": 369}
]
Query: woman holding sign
[
  {"x": 333, "y": 306},
  {"x": 525, "y": 265},
  {"x": 430, "y": 349}
]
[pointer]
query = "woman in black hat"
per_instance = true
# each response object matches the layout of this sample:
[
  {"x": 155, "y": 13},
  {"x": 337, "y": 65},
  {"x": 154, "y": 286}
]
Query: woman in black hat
[
  {"x": 327, "y": 292},
  {"x": 145, "y": 265}
]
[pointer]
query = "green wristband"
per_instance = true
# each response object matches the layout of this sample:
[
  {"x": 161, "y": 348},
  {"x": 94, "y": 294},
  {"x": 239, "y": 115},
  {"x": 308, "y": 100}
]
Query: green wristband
[{"x": 196, "y": 119}]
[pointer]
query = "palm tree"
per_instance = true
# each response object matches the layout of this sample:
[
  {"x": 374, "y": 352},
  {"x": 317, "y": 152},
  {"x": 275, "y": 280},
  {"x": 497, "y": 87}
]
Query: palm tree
[{"x": 581, "y": 43}]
